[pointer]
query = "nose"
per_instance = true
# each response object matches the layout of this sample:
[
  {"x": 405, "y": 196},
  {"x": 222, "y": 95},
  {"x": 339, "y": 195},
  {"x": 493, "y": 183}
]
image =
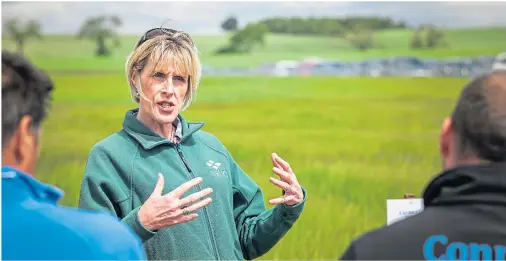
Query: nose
[{"x": 168, "y": 87}]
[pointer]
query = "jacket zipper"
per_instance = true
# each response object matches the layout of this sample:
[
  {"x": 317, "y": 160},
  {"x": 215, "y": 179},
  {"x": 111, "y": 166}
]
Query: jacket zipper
[{"x": 211, "y": 234}]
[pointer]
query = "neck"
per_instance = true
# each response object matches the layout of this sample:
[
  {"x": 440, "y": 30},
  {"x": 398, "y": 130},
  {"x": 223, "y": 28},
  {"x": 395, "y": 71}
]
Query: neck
[
  {"x": 470, "y": 158},
  {"x": 468, "y": 161},
  {"x": 9, "y": 160},
  {"x": 164, "y": 130}
]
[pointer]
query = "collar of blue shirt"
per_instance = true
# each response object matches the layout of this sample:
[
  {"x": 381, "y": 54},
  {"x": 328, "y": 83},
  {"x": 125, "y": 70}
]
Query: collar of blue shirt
[{"x": 39, "y": 189}]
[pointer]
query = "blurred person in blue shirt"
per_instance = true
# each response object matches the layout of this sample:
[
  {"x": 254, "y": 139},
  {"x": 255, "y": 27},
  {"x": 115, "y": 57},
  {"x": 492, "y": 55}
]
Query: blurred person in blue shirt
[{"x": 34, "y": 226}]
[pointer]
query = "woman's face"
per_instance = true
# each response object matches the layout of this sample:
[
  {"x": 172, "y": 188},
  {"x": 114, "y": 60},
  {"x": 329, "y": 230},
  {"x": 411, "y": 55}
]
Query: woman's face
[{"x": 164, "y": 89}]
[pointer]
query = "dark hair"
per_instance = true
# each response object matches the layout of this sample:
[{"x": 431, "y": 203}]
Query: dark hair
[
  {"x": 479, "y": 118},
  {"x": 26, "y": 90}
]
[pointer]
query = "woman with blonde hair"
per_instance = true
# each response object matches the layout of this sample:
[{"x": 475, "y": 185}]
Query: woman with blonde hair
[{"x": 197, "y": 181}]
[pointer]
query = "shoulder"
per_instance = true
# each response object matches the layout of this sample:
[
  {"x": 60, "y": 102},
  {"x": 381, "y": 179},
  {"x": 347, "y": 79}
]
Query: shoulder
[
  {"x": 114, "y": 153},
  {"x": 100, "y": 230},
  {"x": 207, "y": 137},
  {"x": 115, "y": 141},
  {"x": 369, "y": 245},
  {"x": 75, "y": 233},
  {"x": 211, "y": 141},
  {"x": 398, "y": 240}
]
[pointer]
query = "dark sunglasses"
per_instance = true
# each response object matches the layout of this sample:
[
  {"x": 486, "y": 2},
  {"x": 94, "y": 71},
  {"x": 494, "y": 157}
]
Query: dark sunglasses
[{"x": 154, "y": 33}]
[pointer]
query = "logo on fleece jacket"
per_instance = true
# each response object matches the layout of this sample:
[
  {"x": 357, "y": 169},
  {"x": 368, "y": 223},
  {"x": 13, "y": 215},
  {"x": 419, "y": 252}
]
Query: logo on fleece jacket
[{"x": 215, "y": 169}]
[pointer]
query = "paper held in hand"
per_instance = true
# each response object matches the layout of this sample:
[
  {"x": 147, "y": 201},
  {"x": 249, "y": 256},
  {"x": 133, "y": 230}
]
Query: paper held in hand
[{"x": 398, "y": 209}]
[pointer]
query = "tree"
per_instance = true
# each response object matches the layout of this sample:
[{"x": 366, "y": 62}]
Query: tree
[
  {"x": 402, "y": 24},
  {"x": 20, "y": 33},
  {"x": 416, "y": 40},
  {"x": 362, "y": 39},
  {"x": 244, "y": 40},
  {"x": 434, "y": 37},
  {"x": 230, "y": 24},
  {"x": 427, "y": 36},
  {"x": 99, "y": 29}
]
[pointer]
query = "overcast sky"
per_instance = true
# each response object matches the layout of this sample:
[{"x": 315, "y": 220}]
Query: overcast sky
[{"x": 205, "y": 17}]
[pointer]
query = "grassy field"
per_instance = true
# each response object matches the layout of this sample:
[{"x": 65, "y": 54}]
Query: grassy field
[
  {"x": 64, "y": 53},
  {"x": 353, "y": 143}
]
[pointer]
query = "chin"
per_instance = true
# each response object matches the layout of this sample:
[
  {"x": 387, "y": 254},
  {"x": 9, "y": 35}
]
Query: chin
[{"x": 166, "y": 119}]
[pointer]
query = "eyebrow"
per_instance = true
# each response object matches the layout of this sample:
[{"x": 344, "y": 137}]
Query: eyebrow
[{"x": 162, "y": 69}]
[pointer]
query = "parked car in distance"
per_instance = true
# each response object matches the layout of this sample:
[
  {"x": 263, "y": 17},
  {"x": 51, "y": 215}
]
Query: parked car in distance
[{"x": 500, "y": 62}]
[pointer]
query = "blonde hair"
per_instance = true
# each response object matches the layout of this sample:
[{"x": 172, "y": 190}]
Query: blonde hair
[{"x": 177, "y": 47}]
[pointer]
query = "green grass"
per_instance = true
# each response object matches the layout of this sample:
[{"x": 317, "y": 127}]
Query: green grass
[
  {"x": 353, "y": 142},
  {"x": 64, "y": 53}
]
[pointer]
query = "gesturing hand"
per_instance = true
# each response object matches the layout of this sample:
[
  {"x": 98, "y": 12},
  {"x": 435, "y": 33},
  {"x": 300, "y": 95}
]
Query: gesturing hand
[
  {"x": 293, "y": 191},
  {"x": 160, "y": 211}
]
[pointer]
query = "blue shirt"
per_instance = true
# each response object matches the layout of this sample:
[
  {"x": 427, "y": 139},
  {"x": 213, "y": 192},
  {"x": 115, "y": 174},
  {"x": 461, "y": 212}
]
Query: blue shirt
[{"x": 34, "y": 227}]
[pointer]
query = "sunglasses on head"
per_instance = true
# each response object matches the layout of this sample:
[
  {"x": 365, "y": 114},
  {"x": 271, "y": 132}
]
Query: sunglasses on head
[{"x": 154, "y": 33}]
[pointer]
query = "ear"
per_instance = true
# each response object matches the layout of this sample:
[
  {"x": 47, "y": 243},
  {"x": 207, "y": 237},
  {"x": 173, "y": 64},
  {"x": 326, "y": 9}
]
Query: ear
[
  {"x": 446, "y": 138},
  {"x": 27, "y": 144},
  {"x": 134, "y": 79}
]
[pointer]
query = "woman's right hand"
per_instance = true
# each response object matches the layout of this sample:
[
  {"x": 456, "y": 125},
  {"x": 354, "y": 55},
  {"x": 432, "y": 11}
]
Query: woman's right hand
[{"x": 160, "y": 211}]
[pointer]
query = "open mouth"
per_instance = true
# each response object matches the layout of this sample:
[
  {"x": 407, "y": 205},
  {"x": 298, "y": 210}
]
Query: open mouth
[{"x": 166, "y": 105}]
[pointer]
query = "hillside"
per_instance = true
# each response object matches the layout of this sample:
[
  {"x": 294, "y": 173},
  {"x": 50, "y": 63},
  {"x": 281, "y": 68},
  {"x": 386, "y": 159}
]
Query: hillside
[{"x": 65, "y": 52}]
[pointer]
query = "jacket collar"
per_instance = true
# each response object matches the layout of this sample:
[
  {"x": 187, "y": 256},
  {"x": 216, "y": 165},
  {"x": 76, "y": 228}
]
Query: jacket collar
[
  {"x": 149, "y": 139},
  {"x": 470, "y": 184},
  {"x": 39, "y": 189}
]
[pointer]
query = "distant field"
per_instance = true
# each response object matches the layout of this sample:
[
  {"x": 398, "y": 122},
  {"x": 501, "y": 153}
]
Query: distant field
[
  {"x": 65, "y": 53},
  {"x": 352, "y": 142}
]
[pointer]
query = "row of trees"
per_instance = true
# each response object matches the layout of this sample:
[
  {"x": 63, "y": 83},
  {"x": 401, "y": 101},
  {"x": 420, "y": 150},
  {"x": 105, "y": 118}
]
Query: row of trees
[
  {"x": 359, "y": 32},
  {"x": 319, "y": 26},
  {"x": 328, "y": 26},
  {"x": 101, "y": 29}
]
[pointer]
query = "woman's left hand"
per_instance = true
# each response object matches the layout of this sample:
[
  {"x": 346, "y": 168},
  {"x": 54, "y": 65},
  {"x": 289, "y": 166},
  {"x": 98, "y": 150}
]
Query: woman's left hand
[{"x": 293, "y": 191}]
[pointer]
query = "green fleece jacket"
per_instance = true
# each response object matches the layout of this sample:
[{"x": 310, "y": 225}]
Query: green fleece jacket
[{"x": 121, "y": 173}]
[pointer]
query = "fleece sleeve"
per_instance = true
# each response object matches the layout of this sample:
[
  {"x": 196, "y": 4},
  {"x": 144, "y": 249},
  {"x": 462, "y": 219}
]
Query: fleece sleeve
[
  {"x": 259, "y": 229},
  {"x": 100, "y": 192}
]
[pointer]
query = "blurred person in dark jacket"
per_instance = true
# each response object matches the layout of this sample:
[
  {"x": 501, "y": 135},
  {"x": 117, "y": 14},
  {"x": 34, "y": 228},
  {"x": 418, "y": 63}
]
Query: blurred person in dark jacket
[
  {"x": 464, "y": 216},
  {"x": 34, "y": 226}
]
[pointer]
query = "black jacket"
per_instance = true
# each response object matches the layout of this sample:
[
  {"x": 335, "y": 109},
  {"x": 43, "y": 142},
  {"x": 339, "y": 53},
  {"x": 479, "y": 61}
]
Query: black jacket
[{"x": 464, "y": 216}]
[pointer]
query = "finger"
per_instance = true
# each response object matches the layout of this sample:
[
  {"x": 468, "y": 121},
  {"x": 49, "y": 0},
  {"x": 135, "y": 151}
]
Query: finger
[
  {"x": 187, "y": 218},
  {"x": 274, "y": 162},
  {"x": 409, "y": 195},
  {"x": 179, "y": 191},
  {"x": 159, "y": 185},
  {"x": 195, "y": 196},
  {"x": 281, "y": 200},
  {"x": 277, "y": 201},
  {"x": 283, "y": 185},
  {"x": 192, "y": 208},
  {"x": 283, "y": 163},
  {"x": 199, "y": 205},
  {"x": 285, "y": 176},
  {"x": 180, "y": 211}
]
